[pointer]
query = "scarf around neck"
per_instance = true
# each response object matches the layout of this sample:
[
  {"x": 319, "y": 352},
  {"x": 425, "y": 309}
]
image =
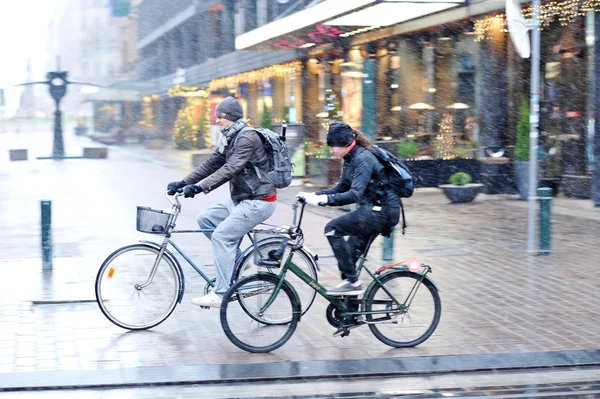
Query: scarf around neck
[{"x": 229, "y": 133}]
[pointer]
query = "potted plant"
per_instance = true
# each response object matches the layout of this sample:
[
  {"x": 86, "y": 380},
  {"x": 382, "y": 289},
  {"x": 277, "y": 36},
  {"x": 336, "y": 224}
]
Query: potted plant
[
  {"x": 461, "y": 188},
  {"x": 266, "y": 121},
  {"x": 521, "y": 155},
  {"x": 406, "y": 149}
]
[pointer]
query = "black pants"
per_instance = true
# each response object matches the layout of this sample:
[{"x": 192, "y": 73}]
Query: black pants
[{"x": 359, "y": 225}]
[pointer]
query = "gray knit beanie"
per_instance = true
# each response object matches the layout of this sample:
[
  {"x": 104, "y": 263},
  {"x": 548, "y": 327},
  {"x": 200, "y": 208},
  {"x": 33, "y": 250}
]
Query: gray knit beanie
[{"x": 231, "y": 107}]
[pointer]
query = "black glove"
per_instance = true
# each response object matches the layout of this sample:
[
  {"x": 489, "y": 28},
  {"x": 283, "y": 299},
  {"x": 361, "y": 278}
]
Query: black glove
[
  {"x": 174, "y": 186},
  {"x": 190, "y": 190}
]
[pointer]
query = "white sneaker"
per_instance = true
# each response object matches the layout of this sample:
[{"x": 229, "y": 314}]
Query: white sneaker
[
  {"x": 346, "y": 288},
  {"x": 210, "y": 300}
]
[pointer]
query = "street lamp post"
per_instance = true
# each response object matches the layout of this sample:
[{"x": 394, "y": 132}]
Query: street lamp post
[{"x": 57, "y": 84}]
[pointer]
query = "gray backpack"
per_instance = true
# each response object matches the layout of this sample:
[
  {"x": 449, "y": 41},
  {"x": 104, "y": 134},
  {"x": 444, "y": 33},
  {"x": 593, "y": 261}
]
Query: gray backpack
[{"x": 280, "y": 166}]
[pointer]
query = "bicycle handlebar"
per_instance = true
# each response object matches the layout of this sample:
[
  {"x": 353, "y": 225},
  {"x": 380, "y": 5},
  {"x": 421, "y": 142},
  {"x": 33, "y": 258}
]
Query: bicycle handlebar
[
  {"x": 295, "y": 208},
  {"x": 175, "y": 200}
]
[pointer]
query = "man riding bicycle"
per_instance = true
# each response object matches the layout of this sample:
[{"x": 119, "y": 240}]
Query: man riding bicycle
[{"x": 238, "y": 159}]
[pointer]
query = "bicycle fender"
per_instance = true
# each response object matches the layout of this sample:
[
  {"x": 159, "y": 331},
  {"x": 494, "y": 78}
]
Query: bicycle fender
[
  {"x": 405, "y": 271},
  {"x": 314, "y": 257},
  {"x": 250, "y": 248},
  {"x": 293, "y": 290},
  {"x": 170, "y": 255}
]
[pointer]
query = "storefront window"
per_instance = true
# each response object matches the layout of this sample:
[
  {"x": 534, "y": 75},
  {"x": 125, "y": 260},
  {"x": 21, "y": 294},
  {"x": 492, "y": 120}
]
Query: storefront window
[
  {"x": 191, "y": 125},
  {"x": 433, "y": 96},
  {"x": 276, "y": 90},
  {"x": 352, "y": 93}
]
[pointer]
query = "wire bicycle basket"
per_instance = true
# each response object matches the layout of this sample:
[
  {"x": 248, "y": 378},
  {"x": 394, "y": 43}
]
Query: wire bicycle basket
[
  {"x": 153, "y": 221},
  {"x": 267, "y": 256}
]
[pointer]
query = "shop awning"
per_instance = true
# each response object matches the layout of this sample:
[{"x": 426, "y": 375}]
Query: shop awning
[{"x": 323, "y": 22}]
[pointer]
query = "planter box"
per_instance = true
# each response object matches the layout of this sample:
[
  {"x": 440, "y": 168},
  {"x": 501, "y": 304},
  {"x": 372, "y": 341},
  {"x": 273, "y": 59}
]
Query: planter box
[
  {"x": 577, "y": 186},
  {"x": 522, "y": 178},
  {"x": 95, "y": 152},
  {"x": 497, "y": 176},
  {"x": 18, "y": 155},
  {"x": 466, "y": 193},
  {"x": 425, "y": 173},
  {"x": 433, "y": 173}
]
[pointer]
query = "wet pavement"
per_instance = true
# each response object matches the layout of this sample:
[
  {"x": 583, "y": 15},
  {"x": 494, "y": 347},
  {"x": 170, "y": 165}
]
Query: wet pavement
[
  {"x": 557, "y": 383},
  {"x": 495, "y": 297}
]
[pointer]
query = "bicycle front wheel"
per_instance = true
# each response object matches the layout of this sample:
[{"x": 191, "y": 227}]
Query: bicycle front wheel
[
  {"x": 243, "y": 311},
  {"x": 119, "y": 290},
  {"x": 408, "y": 319},
  {"x": 302, "y": 258}
]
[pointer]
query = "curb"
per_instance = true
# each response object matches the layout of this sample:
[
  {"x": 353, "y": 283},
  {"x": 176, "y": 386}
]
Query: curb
[{"x": 289, "y": 371}]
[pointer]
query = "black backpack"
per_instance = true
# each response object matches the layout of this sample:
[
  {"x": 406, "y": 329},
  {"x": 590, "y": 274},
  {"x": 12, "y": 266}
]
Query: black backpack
[{"x": 400, "y": 180}]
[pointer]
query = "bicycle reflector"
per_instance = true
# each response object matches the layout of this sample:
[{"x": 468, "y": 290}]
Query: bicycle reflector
[
  {"x": 414, "y": 265},
  {"x": 411, "y": 264},
  {"x": 111, "y": 271}
]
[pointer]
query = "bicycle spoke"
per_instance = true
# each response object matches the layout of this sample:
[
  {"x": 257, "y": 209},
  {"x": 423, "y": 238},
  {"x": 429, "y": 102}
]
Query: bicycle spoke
[
  {"x": 245, "y": 322},
  {"x": 402, "y": 326},
  {"x": 124, "y": 304},
  {"x": 300, "y": 258}
]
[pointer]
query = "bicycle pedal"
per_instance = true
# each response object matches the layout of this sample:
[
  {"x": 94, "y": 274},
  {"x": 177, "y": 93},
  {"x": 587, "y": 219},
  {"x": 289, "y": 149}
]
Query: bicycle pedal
[
  {"x": 341, "y": 332},
  {"x": 204, "y": 307},
  {"x": 344, "y": 331}
]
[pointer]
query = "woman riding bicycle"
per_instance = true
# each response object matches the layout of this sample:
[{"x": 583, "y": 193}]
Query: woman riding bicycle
[{"x": 364, "y": 182}]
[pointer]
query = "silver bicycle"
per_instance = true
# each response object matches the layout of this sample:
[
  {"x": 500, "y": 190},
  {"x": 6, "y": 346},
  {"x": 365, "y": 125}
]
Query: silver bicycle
[{"x": 138, "y": 286}]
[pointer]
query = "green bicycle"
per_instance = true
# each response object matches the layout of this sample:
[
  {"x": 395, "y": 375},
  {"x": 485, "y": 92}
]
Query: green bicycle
[{"x": 401, "y": 306}]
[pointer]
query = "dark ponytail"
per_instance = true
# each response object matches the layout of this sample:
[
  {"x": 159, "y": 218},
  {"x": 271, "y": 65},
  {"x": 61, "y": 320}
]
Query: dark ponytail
[{"x": 362, "y": 140}]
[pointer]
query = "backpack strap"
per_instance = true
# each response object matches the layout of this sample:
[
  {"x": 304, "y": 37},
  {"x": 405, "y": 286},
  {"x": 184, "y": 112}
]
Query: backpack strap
[{"x": 403, "y": 219}]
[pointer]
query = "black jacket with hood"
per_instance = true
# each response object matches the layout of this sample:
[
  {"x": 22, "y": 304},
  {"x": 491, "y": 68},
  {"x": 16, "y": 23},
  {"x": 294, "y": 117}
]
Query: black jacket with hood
[{"x": 364, "y": 182}]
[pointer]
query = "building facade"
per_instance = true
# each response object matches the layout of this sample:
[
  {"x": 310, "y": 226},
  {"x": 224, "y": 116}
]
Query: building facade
[
  {"x": 85, "y": 43},
  {"x": 438, "y": 83}
]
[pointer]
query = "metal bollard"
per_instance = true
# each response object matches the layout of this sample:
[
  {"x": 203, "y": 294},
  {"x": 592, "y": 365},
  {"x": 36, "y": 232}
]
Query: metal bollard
[
  {"x": 545, "y": 197},
  {"x": 388, "y": 247},
  {"x": 46, "y": 235}
]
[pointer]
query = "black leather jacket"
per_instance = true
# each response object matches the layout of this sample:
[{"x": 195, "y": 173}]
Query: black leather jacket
[{"x": 235, "y": 167}]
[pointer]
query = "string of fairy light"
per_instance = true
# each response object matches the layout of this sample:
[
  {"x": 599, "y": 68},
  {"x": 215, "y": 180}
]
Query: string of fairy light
[
  {"x": 184, "y": 132},
  {"x": 564, "y": 12},
  {"x": 279, "y": 70},
  {"x": 446, "y": 139}
]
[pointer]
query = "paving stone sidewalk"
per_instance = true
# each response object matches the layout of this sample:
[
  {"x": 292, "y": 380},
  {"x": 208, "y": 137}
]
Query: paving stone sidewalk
[{"x": 495, "y": 297}]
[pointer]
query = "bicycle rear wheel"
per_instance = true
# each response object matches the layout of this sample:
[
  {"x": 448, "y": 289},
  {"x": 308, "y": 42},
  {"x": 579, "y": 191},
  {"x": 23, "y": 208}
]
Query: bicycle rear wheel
[
  {"x": 120, "y": 296},
  {"x": 410, "y": 322},
  {"x": 301, "y": 258},
  {"x": 242, "y": 313}
]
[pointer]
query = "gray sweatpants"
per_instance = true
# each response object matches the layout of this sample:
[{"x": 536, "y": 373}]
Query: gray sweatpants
[{"x": 231, "y": 222}]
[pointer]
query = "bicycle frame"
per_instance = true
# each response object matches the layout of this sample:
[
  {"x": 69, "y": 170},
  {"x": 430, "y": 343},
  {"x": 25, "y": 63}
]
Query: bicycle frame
[
  {"x": 343, "y": 304},
  {"x": 176, "y": 208}
]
